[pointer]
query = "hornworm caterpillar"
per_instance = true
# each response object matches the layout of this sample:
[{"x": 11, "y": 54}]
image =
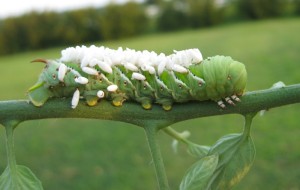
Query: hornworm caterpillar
[{"x": 143, "y": 76}]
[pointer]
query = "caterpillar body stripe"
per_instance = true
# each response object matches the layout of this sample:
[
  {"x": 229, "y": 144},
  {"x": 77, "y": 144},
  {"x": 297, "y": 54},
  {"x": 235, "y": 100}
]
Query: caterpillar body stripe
[{"x": 142, "y": 76}]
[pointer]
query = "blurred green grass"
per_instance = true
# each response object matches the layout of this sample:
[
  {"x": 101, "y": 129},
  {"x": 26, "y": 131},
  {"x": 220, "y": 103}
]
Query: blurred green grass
[{"x": 94, "y": 154}]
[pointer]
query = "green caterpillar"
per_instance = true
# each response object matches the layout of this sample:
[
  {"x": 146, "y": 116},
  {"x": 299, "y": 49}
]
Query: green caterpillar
[{"x": 141, "y": 76}]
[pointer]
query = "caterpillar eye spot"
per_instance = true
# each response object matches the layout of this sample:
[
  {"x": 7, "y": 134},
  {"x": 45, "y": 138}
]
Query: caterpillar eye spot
[
  {"x": 125, "y": 82},
  {"x": 54, "y": 76},
  {"x": 161, "y": 88},
  {"x": 180, "y": 86},
  {"x": 200, "y": 84},
  {"x": 75, "y": 77},
  {"x": 228, "y": 77}
]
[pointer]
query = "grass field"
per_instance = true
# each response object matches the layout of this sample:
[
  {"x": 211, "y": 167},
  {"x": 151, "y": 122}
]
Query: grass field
[{"x": 93, "y": 154}]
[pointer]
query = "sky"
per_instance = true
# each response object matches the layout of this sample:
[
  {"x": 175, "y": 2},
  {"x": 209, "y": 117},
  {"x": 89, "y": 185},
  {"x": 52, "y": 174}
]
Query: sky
[{"x": 17, "y": 7}]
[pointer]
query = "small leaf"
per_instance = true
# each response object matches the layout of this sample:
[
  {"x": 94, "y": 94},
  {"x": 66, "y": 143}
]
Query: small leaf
[
  {"x": 23, "y": 179},
  {"x": 199, "y": 174},
  {"x": 236, "y": 155},
  {"x": 196, "y": 150}
]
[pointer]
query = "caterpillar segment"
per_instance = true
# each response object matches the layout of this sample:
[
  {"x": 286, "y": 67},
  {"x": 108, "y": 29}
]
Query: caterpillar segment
[{"x": 142, "y": 76}]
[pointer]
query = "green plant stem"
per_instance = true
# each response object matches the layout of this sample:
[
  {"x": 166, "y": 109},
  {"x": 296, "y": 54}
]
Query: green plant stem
[
  {"x": 11, "y": 159},
  {"x": 173, "y": 133},
  {"x": 248, "y": 121},
  {"x": 132, "y": 112},
  {"x": 151, "y": 133}
]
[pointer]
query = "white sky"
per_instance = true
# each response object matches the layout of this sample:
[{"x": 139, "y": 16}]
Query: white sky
[{"x": 17, "y": 7}]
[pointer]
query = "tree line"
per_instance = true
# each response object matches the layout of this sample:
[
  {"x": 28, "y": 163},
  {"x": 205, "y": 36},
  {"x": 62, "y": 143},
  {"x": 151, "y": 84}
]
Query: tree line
[{"x": 36, "y": 30}]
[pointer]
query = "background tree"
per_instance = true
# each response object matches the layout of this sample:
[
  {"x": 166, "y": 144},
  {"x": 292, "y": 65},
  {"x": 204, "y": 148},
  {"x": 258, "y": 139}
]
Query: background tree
[
  {"x": 256, "y": 9},
  {"x": 172, "y": 17},
  {"x": 204, "y": 13}
]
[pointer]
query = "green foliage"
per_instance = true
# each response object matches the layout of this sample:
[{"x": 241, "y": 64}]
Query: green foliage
[
  {"x": 199, "y": 174},
  {"x": 257, "y": 9},
  {"x": 204, "y": 13},
  {"x": 37, "y": 30},
  {"x": 172, "y": 19},
  {"x": 22, "y": 179},
  {"x": 79, "y": 26},
  {"x": 41, "y": 30},
  {"x": 226, "y": 163},
  {"x": 193, "y": 13},
  {"x": 123, "y": 21},
  {"x": 197, "y": 150},
  {"x": 236, "y": 155},
  {"x": 297, "y": 7}
]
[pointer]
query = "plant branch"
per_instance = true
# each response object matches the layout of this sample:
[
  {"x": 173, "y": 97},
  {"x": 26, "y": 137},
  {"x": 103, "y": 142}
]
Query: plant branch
[
  {"x": 131, "y": 112},
  {"x": 9, "y": 128},
  {"x": 161, "y": 176}
]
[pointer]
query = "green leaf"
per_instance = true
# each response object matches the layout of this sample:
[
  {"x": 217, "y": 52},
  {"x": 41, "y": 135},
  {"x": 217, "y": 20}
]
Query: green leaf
[
  {"x": 199, "y": 174},
  {"x": 197, "y": 150},
  {"x": 23, "y": 179},
  {"x": 236, "y": 155}
]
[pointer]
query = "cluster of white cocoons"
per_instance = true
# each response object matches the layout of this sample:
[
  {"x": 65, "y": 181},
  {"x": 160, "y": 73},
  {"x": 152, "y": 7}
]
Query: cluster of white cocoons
[{"x": 105, "y": 58}]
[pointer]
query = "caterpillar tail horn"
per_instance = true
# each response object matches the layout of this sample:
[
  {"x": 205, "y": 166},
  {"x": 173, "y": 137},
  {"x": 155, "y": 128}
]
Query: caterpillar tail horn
[{"x": 39, "y": 60}]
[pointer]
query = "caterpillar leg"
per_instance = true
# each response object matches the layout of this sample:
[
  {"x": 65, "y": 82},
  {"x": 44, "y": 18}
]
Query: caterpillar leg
[
  {"x": 147, "y": 104},
  {"x": 235, "y": 98},
  {"x": 118, "y": 101},
  {"x": 230, "y": 100},
  {"x": 167, "y": 107},
  {"x": 221, "y": 104},
  {"x": 165, "y": 103},
  {"x": 91, "y": 100}
]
